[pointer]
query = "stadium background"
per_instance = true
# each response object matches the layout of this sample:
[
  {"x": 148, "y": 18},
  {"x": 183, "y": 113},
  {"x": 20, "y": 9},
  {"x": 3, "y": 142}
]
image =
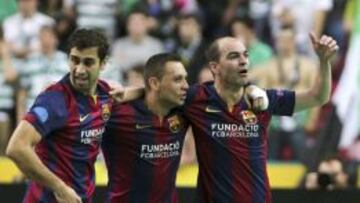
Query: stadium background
[{"x": 186, "y": 27}]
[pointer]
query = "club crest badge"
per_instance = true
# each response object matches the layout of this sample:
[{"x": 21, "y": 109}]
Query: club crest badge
[
  {"x": 105, "y": 112},
  {"x": 249, "y": 117},
  {"x": 174, "y": 124}
]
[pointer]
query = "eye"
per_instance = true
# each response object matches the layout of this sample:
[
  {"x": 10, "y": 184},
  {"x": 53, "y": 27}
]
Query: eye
[
  {"x": 75, "y": 60},
  {"x": 88, "y": 62},
  {"x": 246, "y": 54},
  {"x": 233, "y": 55}
]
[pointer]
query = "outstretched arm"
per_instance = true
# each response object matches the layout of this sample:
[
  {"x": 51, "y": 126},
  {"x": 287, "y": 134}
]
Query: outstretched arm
[{"x": 325, "y": 48}]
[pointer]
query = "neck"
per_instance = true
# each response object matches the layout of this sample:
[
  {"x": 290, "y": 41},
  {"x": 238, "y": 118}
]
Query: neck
[
  {"x": 155, "y": 105},
  {"x": 228, "y": 93},
  {"x": 137, "y": 38}
]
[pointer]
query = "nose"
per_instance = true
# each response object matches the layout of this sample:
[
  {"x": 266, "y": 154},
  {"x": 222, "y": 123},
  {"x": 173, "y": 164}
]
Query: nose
[
  {"x": 185, "y": 85},
  {"x": 80, "y": 68}
]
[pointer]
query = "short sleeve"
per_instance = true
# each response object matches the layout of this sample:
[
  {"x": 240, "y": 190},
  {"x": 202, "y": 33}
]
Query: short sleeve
[
  {"x": 281, "y": 102},
  {"x": 48, "y": 113}
]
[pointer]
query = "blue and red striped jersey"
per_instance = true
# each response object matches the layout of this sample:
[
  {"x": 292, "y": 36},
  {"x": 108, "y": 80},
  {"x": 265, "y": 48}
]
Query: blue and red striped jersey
[
  {"x": 142, "y": 154},
  {"x": 232, "y": 146},
  {"x": 71, "y": 125}
]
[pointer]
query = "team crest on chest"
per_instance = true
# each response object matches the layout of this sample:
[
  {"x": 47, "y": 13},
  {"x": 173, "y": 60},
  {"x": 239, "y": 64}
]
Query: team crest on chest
[
  {"x": 174, "y": 124},
  {"x": 105, "y": 112},
  {"x": 249, "y": 117}
]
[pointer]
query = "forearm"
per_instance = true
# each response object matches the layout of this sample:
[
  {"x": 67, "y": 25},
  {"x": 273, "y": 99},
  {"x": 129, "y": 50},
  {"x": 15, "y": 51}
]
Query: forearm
[
  {"x": 132, "y": 93},
  {"x": 323, "y": 90},
  {"x": 9, "y": 70},
  {"x": 30, "y": 164},
  {"x": 319, "y": 92},
  {"x": 21, "y": 150}
]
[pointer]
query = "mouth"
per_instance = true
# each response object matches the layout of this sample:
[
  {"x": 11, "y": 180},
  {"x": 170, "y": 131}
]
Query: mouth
[
  {"x": 183, "y": 97},
  {"x": 243, "y": 72},
  {"x": 81, "y": 81}
]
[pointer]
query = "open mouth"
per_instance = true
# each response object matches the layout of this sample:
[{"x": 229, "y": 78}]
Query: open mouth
[{"x": 243, "y": 71}]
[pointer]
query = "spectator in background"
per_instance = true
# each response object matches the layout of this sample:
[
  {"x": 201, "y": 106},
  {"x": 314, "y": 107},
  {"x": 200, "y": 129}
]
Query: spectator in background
[
  {"x": 21, "y": 30},
  {"x": 190, "y": 45},
  {"x": 259, "y": 52},
  {"x": 137, "y": 46},
  {"x": 288, "y": 69},
  {"x": 51, "y": 7},
  {"x": 135, "y": 76},
  {"x": 8, "y": 76},
  {"x": 93, "y": 14},
  {"x": 330, "y": 175},
  {"x": 205, "y": 75},
  {"x": 40, "y": 69},
  {"x": 305, "y": 15}
]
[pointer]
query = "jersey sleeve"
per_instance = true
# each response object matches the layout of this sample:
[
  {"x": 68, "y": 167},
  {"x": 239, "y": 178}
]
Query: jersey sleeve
[
  {"x": 281, "y": 102},
  {"x": 48, "y": 113}
]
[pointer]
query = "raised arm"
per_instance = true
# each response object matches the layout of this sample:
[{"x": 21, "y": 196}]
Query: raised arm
[
  {"x": 325, "y": 48},
  {"x": 21, "y": 151}
]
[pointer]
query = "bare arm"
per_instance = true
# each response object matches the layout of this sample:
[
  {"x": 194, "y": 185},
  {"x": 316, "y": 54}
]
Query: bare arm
[
  {"x": 21, "y": 151},
  {"x": 127, "y": 94},
  {"x": 10, "y": 73},
  {"x": 326, "y": 48}
]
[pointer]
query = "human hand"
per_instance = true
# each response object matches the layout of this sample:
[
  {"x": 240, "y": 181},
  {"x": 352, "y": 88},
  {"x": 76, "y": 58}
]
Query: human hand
[
  {"x": 325, "y": 47},
  {"x": 67, "y": 195},
  {"x": 256, "y": 98},
  {"x": 118, "y": 93}
]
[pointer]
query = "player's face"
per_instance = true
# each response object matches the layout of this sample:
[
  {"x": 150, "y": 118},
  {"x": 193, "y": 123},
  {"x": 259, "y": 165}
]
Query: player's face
[
  {"x": 173, "y": 84},
  {"x": 233, "y": 63},
  {"x": 85, "y": 68}
]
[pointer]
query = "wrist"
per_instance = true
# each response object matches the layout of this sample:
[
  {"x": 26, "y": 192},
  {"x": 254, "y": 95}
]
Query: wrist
[{"x": 59, "y": 186}]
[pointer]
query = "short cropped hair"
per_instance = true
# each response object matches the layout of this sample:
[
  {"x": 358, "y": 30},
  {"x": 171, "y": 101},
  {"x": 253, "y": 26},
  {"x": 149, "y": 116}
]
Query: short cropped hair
[
  {"x": 213, "y": 51},
  {"x": 84, "y": 38},
  {"x": 155, "y": 66}
]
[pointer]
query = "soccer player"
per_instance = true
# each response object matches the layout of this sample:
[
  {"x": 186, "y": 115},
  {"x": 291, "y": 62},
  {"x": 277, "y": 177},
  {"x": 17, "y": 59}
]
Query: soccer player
[
  {"x": 57, "y": 142},
  {"x": 230, "y": 138},
  {"x": 144, "y": 137}
]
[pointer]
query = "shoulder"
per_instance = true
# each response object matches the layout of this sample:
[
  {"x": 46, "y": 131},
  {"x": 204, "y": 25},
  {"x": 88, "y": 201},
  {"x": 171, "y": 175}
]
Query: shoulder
[
  {"x": 44, "y": 18},
  {"x": 11, "y": 19},
  {"x": 104, "y": 86},
  {"x": 198, "y": 91}
]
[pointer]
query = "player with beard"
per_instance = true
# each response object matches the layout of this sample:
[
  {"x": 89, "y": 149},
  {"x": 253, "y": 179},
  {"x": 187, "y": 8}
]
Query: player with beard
[
  {"x": 58, "y": 140},
  {"x": 230, "y": 138}
]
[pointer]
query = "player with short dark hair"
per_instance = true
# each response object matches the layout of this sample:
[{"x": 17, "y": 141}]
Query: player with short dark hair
[
  {"x": 144, "y": 138},
  {"x": 58, "y": 140}
]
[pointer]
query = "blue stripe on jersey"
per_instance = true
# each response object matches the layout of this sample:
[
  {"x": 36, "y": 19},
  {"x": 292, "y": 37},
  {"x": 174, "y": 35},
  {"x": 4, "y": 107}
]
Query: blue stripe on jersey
[
  {"x": 221, "y": 165},
  {"x": 281, "y": 102},
  {"x": 50, "y": 111},
  {"x": 109, "y": 147},
  {"x": 47, "y": 196},
  {"x": 256, "y": 163},
  {"x": 140, "y": 178}
]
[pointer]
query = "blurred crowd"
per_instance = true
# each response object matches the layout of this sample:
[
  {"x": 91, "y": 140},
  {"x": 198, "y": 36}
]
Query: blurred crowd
[{"x": 34, "y": 34}]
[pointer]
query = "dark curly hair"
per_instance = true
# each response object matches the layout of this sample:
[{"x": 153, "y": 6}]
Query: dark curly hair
[{"x": 86, "y": 38}]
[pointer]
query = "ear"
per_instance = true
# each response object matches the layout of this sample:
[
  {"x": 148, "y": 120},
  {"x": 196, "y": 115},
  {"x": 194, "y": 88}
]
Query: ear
[
  {"x": 103, "y": 63},
  {"x": 154, "y": 83},
  {"x": 213, "y": 67}
]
